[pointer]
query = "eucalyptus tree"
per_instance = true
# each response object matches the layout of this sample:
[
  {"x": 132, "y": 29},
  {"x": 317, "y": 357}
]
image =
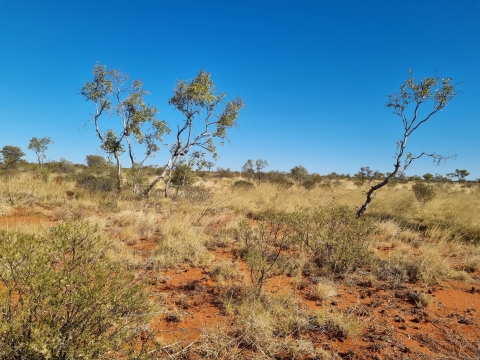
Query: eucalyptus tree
[
  {"x": 459, "y": 174},
  {"x": 204, "y": 120},
  {"x": 255, "y": 172},
  {"x": 115, "y": 96},
  {"x": 39, "y": 146},
  {"x": 433, "y": 93}
]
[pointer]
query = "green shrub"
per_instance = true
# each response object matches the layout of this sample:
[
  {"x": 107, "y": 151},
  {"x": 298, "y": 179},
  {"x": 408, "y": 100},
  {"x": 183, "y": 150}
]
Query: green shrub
[
  {"x": 242, "y": 184},
  {"x": 334, "y": 236},
  {"x": 262, "y": 245},
  {"x": 62, "y": 298},
  {"x": 96, "y": 183},
  {"x": 280, "y": 179},
  {"x": 423, "y": 193}
]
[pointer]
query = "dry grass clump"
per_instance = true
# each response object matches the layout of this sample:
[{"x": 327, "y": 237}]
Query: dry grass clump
[
  {"x": 180, "y": 243},
  {"x": 322, "y": 290},
  {"x": 225, "y": 271},
  {"x": 264, "y": 327},
  {"x": 427, "y": 265},
  {"x": 338, "y": 324}
]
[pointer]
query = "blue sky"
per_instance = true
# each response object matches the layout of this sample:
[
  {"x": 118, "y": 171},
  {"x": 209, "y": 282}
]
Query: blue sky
[{"x": 315, "y": 75}]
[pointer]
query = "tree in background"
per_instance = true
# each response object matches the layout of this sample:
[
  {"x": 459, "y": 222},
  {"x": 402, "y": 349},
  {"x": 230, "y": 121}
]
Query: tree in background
[
  {"x": 39, "y": 146},
  {"x": 254, "y": 172},
  {"x": 204, "y": 121},
  {"x": 428, "y": 177},
  {"x": 299, "y": 174},
  {"x": 96, "y": 163},
  {"x": 459, "y": 174},
  {"x": 11, "y": 156},
  {"x": 431, "y": 90},
  {"x": 209, "y": 165},
  {"x": 114, "y": 94}
]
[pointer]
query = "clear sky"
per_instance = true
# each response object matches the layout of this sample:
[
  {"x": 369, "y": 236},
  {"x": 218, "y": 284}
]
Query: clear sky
[{"x": 315, "y": 75}]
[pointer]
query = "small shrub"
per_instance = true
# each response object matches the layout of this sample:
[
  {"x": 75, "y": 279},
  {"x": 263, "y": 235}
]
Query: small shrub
[
  {"x": 242, "y": 184},
  {"x": 309, "y": 184},
  {"x": 197, "y": 194},
  {"x": 262, "y": 245},
  {"x": 335, "y": 237},
  {"x": 423, "y": 193},
  {"x": 95, "y": 183}
]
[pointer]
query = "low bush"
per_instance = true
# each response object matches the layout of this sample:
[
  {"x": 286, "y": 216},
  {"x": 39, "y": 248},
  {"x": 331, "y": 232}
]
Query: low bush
[
  {"x": 334, "y": 236},
  {"x": 95, "y": 183},
  {"x": 424, "y": 193},
  {"x": 62, "y": 298},
  {"x": 242, "y": 184}
]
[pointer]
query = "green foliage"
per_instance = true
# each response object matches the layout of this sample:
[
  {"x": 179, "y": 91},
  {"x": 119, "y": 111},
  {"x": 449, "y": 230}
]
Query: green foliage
[
  {"x": 423, "y": 193},
  {"x": 95, "y": 183},
  {"x": 428, "y": 177},
  {"x": 96, "y": 162},
  {"x": 262, "y": 245},
  {"x": 255, "y": 172},
  {"x": 459, "y": 174},
  {"x": 335, "y": 237},
  {"x": 204, "y": 120},
  {"x": 224, "y": 172},
  {"x": 280, "y": 179},
  {"x": 309, "y": 183},
  {"x": 182, "y": 175},
  {"x": 63, "y": 298},
  {"x": 11, "y": 156},
  {"x": 299, "y": 175},
  {"x": 242, "y": 184},
  {"x": 115, "y": 95},
  {"x": 39, "y": 146},
  {"x": 434, "y": 91},
  {"x": 45, "y": 174}
]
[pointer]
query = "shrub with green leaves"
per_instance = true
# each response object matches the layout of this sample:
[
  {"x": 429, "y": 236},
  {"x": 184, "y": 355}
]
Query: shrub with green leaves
[
  {"x": 334, "y": 236},
  {"x": 262, "y": 245},
  {"x": 242, "y": 184},
  {"x": 423, "y": 193},
  {"x": 61, "y": 297},
  {"x": 95, "y": 183}
]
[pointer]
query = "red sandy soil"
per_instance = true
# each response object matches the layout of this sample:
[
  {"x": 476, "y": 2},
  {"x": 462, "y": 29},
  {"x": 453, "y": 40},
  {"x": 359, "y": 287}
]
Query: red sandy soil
[{"x": 394, "y": 327}]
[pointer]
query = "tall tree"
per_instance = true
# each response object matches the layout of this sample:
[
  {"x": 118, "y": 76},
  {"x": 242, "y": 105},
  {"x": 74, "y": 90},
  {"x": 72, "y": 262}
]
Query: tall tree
[
  {"x": 39, "y": 146},
  {"x": 204, "y": 120},
  {"x": 434, "y": 91},
  {"x": 114, "y": 95}
]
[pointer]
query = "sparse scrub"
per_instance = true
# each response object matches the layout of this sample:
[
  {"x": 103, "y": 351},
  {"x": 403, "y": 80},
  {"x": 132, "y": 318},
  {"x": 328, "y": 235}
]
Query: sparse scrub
[{"x": 262, "y": 246}]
